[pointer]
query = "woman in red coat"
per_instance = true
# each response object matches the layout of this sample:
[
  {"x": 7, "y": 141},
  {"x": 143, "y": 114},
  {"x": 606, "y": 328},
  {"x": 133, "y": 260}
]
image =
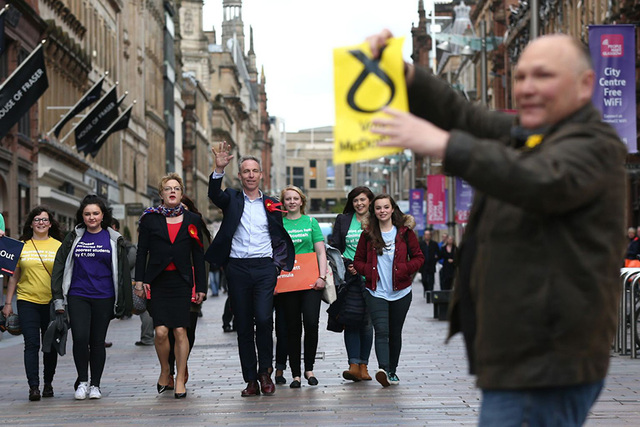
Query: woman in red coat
[{"x": 388, "y": 255}]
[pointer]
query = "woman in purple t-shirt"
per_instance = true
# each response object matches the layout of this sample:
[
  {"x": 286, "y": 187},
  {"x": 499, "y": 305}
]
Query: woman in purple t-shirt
[{"x": 91, "y": 275}]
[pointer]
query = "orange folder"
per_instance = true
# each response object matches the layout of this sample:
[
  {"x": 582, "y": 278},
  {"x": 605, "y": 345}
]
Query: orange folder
[{"x": 302, "y": 277}]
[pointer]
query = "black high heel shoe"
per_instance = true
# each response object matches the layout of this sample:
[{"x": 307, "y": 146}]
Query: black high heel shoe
[
  {"x": 312, "y": 380},
  {"x": 162, "y": 388},
  {"x": 180, "y": 395}
]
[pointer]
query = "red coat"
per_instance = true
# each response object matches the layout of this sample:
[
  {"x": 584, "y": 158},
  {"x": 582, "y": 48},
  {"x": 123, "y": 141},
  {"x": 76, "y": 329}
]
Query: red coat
[{"x": 366, "y": 260}]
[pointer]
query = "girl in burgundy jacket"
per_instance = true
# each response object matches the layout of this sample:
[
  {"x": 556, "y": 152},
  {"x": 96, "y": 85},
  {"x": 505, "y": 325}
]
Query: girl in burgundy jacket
[{"x": 388, "y": 255}]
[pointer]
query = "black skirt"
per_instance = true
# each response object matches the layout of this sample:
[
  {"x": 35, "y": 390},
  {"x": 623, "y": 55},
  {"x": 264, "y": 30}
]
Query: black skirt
[{"x": 170, "y": 300}]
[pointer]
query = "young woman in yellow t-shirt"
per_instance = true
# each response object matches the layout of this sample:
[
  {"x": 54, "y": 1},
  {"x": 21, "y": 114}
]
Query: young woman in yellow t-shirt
[{"x": 32, "y": 281}]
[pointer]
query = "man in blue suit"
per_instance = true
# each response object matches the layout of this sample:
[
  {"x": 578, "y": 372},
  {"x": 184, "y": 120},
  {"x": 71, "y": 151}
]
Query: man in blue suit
[{"x": 253, "y": 247}]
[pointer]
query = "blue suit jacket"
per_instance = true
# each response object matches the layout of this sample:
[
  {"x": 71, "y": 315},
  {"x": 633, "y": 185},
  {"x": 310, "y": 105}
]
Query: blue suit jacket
[{"x": 232, "y": 204}]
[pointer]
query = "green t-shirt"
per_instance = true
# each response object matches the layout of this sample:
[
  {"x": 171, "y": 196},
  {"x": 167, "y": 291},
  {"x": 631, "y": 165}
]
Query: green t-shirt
[
  {"x": 352, "y": 238},
  {"x": 1, "y": 222},
  {"x": 304, "y": 232}
]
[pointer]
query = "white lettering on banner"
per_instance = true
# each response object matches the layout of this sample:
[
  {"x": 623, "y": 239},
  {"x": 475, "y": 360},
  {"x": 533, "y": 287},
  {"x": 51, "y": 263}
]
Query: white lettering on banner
[
  {"x": 33, "y": 80},
  {"x": 7, "y": 255},
  {"x": 21, "y": 92},
  {"x": 612, "y": 97}
]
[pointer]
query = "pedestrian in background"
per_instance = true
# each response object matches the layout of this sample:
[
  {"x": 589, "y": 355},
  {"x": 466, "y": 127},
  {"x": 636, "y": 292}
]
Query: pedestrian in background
[
  {"x": 431, "y": 252},
  {"x": 31, "y": 282},
  {"x": 358, "y": 332},
  {"x": 448, "y": 253},
  {"x": 388, "y": 256},
  {"x": 539, "y": 263},
  {"x": 303, "y": 307},
  {"x": 91, "y": 279},
  {"x": 169, "y": 263}
]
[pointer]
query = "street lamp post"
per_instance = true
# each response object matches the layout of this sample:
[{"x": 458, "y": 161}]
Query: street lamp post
[{"x": 471, "y": 46}]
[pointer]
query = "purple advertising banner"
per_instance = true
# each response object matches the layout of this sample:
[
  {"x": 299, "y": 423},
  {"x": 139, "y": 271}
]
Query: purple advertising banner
[
  {"x": 464, "y": 197},
  {"x": 416, "y": 208},
  {"x": 613, "y": 52}
]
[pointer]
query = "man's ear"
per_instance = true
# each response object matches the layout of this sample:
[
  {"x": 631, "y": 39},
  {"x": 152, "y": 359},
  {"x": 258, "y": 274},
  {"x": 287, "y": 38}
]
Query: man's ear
[{"x": 585, "y": 86}]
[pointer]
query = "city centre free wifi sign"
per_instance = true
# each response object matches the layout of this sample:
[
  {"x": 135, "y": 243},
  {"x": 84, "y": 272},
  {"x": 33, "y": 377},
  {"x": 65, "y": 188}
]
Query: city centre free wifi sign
[{"x": 363, "y": 86}]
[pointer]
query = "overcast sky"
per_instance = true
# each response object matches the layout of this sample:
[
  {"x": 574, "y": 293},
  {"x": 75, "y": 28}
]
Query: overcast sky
[{"x": 294, "y": 41}]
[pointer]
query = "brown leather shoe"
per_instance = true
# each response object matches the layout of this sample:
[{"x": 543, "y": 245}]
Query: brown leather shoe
[
  {"x": 353, "y": 373},
  {"x": 252, "y": 389},
  {"x": 364, "y": 374},
  {"x": 266, "y": 385}
]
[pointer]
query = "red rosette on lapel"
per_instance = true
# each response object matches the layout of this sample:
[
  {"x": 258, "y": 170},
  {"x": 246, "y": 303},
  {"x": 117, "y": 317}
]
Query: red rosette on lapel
[
  {"x": 193, "y": 232},
  {"x": 273, "y": 206}
]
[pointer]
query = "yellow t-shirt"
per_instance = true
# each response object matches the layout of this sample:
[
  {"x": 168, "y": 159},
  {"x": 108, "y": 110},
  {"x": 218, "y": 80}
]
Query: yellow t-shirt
[{"x": 35, "y": 283}]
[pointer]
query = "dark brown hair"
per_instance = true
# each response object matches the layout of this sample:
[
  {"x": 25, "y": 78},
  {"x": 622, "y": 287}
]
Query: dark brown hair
[
  {"x": 27, "y": 230},
  {"x": 191, "y": 207},
  {"x": 348, "y": 208},
  {"x": 372, "y": 232}
]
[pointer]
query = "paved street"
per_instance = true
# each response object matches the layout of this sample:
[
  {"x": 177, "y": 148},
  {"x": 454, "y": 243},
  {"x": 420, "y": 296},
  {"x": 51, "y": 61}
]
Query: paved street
[{"x": 434, "y": 390}]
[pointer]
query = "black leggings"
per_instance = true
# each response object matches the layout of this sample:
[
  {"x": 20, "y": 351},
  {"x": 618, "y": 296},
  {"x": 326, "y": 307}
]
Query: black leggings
[
  {"x": 89, "y": 318},
  {"x": 301, "y": 307}
]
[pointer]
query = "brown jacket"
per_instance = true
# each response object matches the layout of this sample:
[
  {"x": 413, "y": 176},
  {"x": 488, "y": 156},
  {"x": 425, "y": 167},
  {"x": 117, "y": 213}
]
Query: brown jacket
[{"x": 548, "y": 231}]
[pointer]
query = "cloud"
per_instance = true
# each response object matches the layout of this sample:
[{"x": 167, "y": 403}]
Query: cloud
[{"x": 294, "y": 41}]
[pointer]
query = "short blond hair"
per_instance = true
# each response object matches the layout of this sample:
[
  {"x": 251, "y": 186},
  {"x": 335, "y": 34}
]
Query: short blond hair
[
  {"x": 297, "y": 190},
  {"x": 169, "y": 177}
]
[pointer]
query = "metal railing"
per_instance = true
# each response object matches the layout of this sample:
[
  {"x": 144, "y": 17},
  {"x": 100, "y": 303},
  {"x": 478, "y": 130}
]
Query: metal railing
[{"x": 626, "y": 337}]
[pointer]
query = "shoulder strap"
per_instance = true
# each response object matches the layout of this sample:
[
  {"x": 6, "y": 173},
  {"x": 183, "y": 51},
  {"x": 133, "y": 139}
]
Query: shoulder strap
[
  {"x": 38, "y": 252},
  {"x": 406, "y": 242}
]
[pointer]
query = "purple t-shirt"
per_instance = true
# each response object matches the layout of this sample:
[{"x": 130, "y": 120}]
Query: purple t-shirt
[{"x": 92, "y": 275}]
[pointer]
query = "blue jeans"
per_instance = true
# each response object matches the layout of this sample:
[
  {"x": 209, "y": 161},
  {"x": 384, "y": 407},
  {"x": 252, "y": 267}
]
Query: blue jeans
[
  {"x": 388, "y": 319},
  {"x": 358, "y": 341},
  {"x": 214, "y": 281},
  {"x": 545, "y": 407},
  {"x": 34, "y": 319}
]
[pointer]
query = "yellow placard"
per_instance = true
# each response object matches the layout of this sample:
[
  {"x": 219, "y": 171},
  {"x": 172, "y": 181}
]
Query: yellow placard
[{"x": 363, "y": 86}]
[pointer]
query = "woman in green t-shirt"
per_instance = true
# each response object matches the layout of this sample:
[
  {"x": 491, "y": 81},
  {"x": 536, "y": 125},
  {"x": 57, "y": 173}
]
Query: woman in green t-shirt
[{"x": 307, "y": 238}]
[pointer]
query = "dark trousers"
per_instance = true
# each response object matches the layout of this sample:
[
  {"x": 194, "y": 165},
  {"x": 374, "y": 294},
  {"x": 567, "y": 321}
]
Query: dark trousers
[
  {"x": 281, "y": 333},
  {"x": 388, "y": 319},
  {"x": 227, "y": 314},
  {"x": 34, "y": 319},
  {"x": 428, "y": 279},
  {"x": 302, "y": 307},
  {"x": 89, "y": 319},
  {"x": 251, "y": 284}
]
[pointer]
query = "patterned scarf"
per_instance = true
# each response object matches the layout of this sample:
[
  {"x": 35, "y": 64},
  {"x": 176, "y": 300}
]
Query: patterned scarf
[{"x": 163, "y": 210}]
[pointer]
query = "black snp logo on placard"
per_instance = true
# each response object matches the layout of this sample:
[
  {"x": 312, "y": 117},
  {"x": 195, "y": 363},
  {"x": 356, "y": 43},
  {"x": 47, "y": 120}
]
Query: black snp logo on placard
[{"x": 371, "y": 66}]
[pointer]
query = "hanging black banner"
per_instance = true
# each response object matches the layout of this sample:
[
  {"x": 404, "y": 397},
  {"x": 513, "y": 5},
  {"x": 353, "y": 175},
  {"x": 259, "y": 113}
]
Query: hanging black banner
[
  {"x": 89, "y": 98},
  {"x": 98, "y": 119},
  {"x": 120, "y": 124},
  {"x": 22, "y": 89}
]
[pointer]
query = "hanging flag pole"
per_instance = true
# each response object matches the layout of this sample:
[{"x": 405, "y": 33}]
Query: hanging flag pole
[
  {"x": 22, "y": 89},
  {"x": 82, "y": 103},
  {"x": 17, "y": 70},
  {"x": 64, "y": 138}
]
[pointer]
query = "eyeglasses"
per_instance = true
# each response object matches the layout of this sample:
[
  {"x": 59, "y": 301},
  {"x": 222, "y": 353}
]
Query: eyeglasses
[
  {"x": 42, "y": 220},
  {"x": 168, "y": 189}
]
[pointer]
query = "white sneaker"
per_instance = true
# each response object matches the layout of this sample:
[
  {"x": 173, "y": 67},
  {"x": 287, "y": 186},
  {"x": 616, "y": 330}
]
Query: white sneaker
[
  {"x": 81, "y": 391},
  {"x": 382, "y": 377},
  {"x": 94, "y": 392}
]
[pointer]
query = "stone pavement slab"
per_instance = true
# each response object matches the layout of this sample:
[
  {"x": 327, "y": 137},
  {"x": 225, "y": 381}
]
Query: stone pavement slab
[{"x": 435, "y": 388}]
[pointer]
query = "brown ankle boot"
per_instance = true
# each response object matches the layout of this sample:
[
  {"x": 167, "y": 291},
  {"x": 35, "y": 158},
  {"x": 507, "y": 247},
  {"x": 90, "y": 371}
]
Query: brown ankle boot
[
  {"x": 353, "y": 373},
  {"x": 364, "y": 375}
]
